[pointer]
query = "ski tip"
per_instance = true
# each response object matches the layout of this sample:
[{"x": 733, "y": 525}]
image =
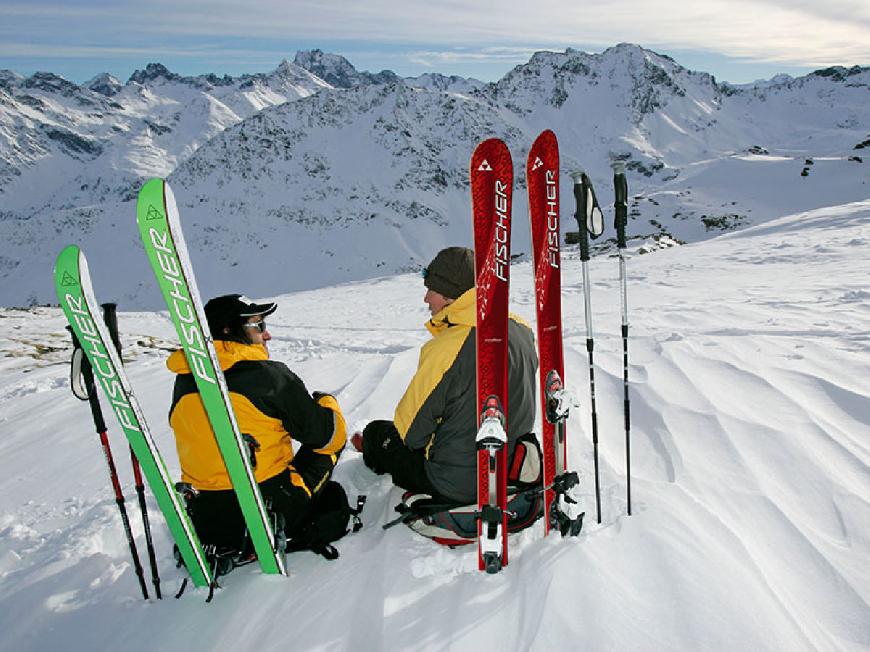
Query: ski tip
[
  {"x": 577, "y": 175},
  {"x": 151, "y": 205},
  {"x": 544, "y": 153},
  {"x": 68, "y": 251},
  {"x": 151, "y": 183},
  {"x": 68, "y": 258},
  {"x": 70, "y": 274},
  {"x": 618, "y": 167},
  {"x": 491, "y": 147},
  {"x": 547, "y": 136},
  {"x": 152, "y": 189},
  {"x": 490, "y": 142},
  {"x": 491, "y": 155}
]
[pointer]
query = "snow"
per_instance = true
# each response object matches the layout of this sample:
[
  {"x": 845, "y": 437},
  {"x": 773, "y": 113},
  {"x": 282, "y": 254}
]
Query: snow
[{"x": 749, "y": 360}]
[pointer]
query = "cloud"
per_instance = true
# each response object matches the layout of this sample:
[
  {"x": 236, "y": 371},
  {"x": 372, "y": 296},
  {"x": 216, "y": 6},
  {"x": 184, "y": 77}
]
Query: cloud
[
  {"x": 431, "y": 58},
  {"x": 144, "y": 53},
  {"x": 805, "y": 33}
]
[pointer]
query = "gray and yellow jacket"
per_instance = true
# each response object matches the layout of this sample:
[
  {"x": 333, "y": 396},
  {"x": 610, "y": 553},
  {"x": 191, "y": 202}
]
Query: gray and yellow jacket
[
  {"x": 271, "y": 404},
  {"x": 438, "y": 412}
]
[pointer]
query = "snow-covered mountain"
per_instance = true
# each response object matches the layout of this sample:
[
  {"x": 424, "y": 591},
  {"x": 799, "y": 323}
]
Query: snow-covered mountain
[
  {"x": 367, "y": 174},
  {"x": 338, "y": 71},
  {"x": 67, "y": 146},
  {"x": 749, "y": 360}
]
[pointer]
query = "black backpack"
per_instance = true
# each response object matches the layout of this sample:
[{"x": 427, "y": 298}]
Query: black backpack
[{"x": 330, "y": 518}]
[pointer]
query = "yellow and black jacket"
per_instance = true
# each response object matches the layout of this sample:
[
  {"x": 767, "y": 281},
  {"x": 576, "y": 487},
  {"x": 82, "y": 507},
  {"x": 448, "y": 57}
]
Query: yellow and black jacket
[
  {"x": 438, "y": 412},
  {"x": 271, "y": 404}
]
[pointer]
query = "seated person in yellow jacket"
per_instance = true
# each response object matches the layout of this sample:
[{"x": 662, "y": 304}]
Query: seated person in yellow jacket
[
  {"x": 430, "y": 445},
  {"x": 272, "y": 408}
]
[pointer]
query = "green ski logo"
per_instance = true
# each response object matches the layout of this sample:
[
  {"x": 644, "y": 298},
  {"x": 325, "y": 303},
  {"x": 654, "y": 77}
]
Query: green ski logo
[
  {"x": 154, "y": 214},
  {"x": 68, "y": 280}
]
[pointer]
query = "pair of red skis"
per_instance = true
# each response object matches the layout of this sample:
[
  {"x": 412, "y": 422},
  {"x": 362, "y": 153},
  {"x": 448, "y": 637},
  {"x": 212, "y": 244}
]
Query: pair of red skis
[{"x": 491, "y": 186}]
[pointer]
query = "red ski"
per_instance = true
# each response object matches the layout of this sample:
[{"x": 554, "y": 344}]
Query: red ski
[
  {"x": 542, "y": 175},
  {"x": 491, "y": 185},
  {"x": 561, "y": 487}
]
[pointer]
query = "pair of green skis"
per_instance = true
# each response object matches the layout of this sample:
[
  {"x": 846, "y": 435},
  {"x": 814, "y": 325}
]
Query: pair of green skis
[{"x": 160, "y": 228}]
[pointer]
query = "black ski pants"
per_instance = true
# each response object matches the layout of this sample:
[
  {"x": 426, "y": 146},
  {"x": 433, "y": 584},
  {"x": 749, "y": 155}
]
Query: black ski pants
[{"x": 218, "y": 519}]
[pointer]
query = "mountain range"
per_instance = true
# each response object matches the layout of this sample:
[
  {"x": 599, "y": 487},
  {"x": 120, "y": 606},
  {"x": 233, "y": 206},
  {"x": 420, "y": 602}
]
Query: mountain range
[{"x": 317, "y": 173}]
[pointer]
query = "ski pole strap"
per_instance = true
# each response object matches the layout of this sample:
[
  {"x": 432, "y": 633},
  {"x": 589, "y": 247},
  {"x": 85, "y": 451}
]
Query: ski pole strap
[
  {"x": 76, "y": 381},
  {"x": 81, "y": 372},
  {"x": 594, "y": 216},
  {"x": 590, "y": 220},
  {"x": 76, "y": 373}
]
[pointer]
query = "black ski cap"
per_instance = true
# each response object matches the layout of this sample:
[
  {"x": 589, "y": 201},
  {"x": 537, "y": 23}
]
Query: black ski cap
[
  {"x": 231, "y": 310},
  {"x": 451, "y": 272}
]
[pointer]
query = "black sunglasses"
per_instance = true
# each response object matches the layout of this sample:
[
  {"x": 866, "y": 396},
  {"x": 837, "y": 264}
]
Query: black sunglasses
[{"x": 259, "y": 325}]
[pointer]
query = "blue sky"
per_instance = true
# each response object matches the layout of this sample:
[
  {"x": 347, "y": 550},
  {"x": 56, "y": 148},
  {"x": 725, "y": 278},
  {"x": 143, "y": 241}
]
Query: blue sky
[{"x": 736, "y": 40}]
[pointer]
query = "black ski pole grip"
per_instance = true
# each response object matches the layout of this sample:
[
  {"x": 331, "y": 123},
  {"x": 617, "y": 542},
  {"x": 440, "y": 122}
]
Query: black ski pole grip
[
  {"x": 620, "y": 188},
  {"x": 90, "y": 387},
  {"x": 580, "y": 213},
  {"x": 110, "y": 317}
]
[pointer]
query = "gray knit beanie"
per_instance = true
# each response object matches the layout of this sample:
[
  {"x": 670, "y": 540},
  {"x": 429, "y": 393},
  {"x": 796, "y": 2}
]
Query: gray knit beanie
[{"x": 451, "y": 272}]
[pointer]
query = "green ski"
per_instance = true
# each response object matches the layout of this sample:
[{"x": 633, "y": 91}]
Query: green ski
[
  {"x": 160, "y": 228},
  {"x": 76, "y": 295}
]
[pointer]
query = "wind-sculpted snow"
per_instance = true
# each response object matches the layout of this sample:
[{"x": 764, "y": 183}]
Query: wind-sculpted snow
[{"x": 749, "y": 355}]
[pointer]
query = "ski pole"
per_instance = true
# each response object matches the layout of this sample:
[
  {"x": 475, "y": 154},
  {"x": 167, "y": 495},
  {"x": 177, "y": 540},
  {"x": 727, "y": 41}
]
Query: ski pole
[
  {"x": 591, "y": 224},
  {"x": 110, "y": 316},
  {"x": 81, "y": 369},
  {"x": 620, "y": 187}
]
